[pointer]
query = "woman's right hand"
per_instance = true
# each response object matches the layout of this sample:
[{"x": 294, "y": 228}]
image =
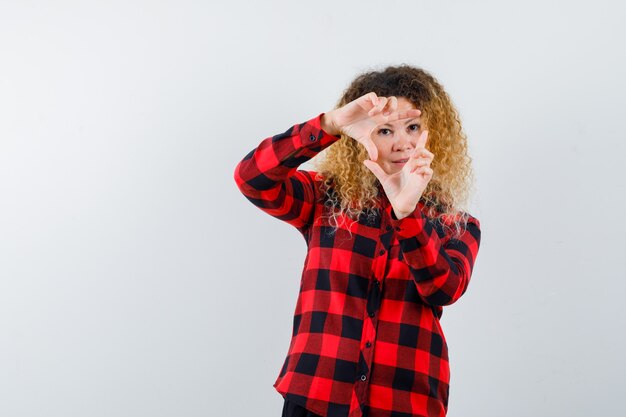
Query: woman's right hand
[{"x": 360, "y": 117}]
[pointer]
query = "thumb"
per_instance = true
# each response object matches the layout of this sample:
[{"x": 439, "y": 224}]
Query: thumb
[
  {"x": 371, "y": 148},
  {"x": 376, "y": 170}
]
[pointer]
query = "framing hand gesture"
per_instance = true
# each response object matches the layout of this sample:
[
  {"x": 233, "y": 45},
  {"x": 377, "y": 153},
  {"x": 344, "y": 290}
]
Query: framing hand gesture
[
  {"x": 358, "y": 119},
  {"x": 405, "y": 187}
]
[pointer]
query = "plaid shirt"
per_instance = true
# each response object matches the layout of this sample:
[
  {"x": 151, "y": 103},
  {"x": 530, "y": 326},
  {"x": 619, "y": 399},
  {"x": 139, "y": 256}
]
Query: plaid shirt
[{"x": 366, "y": 337}]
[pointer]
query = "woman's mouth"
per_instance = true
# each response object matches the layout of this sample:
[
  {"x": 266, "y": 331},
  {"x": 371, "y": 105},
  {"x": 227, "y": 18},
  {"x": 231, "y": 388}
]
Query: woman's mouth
[{"x": 400, "y": 161}]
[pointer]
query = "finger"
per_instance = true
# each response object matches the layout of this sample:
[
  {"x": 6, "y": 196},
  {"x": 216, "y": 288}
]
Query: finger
[
  {"x": 405, "y": 114},
  {"x": 422, "y": 153},
  {"x": 415, "y": 159},
  {"x": 376, "y": 170},
  {"x": 427, "y": 171},
  {"x": 417, "y": 170},
  {"x": 371, "y": 149},
  {"x": 414, "y": 163},
  {"x": 368, "y": 101},
  {"x": 419, "y": 164},
  {"x": 421, "y": 141},
  {"x": 380, "y": 105},
  {"x": 374, "y": 109},
  {"x": 383, "y": 103},
  {"x": 373, "y": 98},
  {"x": 391, "y": 107}
]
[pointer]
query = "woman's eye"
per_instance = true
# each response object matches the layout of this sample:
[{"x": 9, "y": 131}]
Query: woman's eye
[
  {"x": 382, "y": 131},
  {"x": 414, "y": 127}
]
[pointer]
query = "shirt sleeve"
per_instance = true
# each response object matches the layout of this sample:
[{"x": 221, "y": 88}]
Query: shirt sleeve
[
  {"x": 268, "y": 176},
  {"x": 440, "y": 268}
]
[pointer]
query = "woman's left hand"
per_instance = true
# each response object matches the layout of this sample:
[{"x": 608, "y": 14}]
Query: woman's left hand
[{"x": 405, "y": 187}]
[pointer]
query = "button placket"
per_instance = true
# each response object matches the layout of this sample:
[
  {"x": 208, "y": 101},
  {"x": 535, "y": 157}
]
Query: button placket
[{"x": 367, "y": 350}]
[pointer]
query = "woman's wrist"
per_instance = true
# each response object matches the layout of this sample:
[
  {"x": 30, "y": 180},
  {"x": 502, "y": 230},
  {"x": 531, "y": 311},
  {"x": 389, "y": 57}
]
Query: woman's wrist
[
  {"x": 400, "y": 215},
  {"x": 328, "y": 124}
]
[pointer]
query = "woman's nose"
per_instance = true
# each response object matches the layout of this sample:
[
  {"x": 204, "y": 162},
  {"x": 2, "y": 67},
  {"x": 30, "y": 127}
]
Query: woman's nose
[{"x": 404, "y": 141}]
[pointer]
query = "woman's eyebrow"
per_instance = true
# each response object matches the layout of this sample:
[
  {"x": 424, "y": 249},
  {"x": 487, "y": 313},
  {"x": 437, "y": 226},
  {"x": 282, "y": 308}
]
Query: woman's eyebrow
[{"x": 407, "y": 122}]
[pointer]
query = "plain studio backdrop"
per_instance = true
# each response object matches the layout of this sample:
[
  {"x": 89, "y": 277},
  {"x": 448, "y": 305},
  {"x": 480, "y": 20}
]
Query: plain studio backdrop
[{"x": 136, "y": 280}]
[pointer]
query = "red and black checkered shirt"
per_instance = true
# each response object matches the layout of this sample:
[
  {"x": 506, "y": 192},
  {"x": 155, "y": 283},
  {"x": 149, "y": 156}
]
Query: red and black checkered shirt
[{"x": 366, "y": 336}]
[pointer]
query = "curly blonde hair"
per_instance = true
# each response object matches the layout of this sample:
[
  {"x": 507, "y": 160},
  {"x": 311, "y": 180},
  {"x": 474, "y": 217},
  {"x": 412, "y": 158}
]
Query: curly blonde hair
[{"x": 353, "y": 190}]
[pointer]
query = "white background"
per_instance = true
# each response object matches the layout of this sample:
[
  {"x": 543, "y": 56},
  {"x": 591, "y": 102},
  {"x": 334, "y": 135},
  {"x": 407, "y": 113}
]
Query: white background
[{"x": 135, "y": 279}]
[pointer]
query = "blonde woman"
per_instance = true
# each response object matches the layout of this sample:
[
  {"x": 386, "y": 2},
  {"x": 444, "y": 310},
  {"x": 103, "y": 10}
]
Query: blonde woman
[{"x": 389, "y": 245}]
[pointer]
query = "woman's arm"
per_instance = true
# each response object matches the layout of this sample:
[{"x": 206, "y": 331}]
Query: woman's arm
[
  {"x": 268, "y": 175},
  {"x": 441, "y": 269}
]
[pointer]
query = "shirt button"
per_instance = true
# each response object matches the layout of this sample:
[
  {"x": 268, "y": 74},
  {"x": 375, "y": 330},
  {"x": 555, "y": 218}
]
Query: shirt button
[
  {"x": 368, "y": 344},
  {"x": 371, "y": 314},
  {"x": 312, "y": 138},
  {"x": 363, "y": 377},
  {"x": 389, "y": 228},
  {"x": 382, "y": 252}
]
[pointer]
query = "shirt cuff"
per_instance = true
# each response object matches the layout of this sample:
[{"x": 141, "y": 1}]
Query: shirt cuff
[
  {"x": 311, "y": 133},
  {"x": 408, "y": 226}
]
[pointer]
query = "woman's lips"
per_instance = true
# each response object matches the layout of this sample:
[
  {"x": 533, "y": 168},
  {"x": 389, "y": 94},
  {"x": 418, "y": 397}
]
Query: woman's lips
[{"x": 400, "y": 161}]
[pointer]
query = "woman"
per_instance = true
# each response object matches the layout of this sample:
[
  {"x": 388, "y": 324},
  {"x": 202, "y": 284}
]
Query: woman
[{"x": 388, "y": 246}]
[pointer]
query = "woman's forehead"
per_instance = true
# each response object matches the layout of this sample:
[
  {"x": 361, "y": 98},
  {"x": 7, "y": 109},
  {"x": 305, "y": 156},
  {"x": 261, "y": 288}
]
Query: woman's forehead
[
  {"x": 406, "y": 103},
  {"x": 403, "y": 122}
]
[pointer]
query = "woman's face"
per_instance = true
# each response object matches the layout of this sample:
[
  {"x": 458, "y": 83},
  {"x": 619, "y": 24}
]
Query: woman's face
[{"x": 396, "y": 140}]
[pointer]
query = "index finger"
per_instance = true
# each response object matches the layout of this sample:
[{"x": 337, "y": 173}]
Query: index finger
[
  {"x": 421, "y": 141},
  {"x": 405, "y": 114}
]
